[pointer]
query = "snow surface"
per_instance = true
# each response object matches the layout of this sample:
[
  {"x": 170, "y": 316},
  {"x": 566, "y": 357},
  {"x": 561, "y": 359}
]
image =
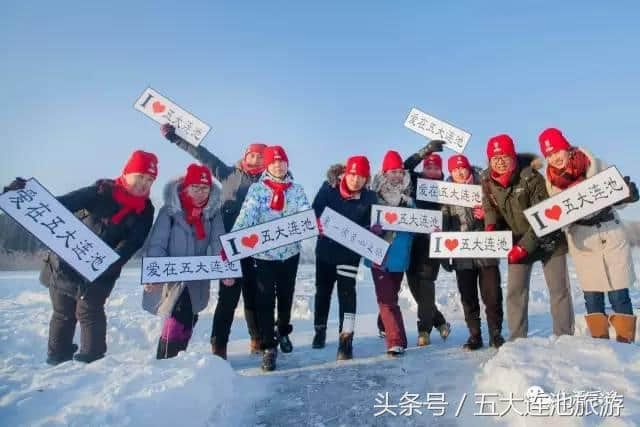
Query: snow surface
[{"x": 309, "y": 388}]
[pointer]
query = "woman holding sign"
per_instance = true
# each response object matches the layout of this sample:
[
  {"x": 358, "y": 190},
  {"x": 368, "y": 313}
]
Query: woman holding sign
[
  {"x": 274, "y": 196},
  {"x": 511, "y": 185},
  {"x": 189, "y": 224},
  {"x": 393, "y": 187},
  {"x": 120, "y": 213},
  {"x": 473, "y": 273},
  {"x": 598, "y": 243},
  {"x": 423, "y": 271},
  {"x": 344, "y": 191}
]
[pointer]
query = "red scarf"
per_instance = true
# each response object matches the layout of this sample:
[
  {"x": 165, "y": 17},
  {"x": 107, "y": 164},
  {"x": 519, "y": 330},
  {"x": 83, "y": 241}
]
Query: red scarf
[
  {"x": 127, "y": 201},
  {"x": 251, "y": 170},
  {"x": 573, "y": 173},
  {"x": 345, "y": 193},
  {"x": 277, "y": 196},
  {"x": 505, "y": 178},
  {"x": 193, "y": 213}
]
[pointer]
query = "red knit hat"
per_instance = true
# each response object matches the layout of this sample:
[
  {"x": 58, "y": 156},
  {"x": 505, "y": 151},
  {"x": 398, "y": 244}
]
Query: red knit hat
[
  {"x": 142, "y": 162},
  {"x": 392, "y": 160},
  {"x": 432, "y": 159},
  {"x": 255, "y": 148},
  {"x": 458, "y": 161},
  {"x": 197, "y": 174},
  {"x": 501, "y": 145},
  {"x": 273, "y": 153},
  {"x": 551, "y": 141},
  {"x": 358, "y": 165}
]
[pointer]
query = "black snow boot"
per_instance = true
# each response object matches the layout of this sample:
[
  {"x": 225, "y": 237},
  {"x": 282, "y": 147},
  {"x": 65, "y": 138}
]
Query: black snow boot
[
  {"x": 285, "y": 343},
  {"x": 269, "y": 359},
  {"x": 496, "y": 340},
  {"x": 320, "y": 337},
  {"x": 87, "y": 357},
  {"x": 473, "y": 343},
  {"x": 345, "y": 346},
  {"x": 56, "y": 359}
]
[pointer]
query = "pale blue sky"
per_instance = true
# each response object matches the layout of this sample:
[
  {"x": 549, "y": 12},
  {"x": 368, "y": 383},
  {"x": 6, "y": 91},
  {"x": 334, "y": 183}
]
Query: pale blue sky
[{"x": 325, "y": 80}]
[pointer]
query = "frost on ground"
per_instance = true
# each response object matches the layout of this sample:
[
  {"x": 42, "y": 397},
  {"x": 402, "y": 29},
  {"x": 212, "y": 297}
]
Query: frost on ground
[{"x": 130, "y": 387}]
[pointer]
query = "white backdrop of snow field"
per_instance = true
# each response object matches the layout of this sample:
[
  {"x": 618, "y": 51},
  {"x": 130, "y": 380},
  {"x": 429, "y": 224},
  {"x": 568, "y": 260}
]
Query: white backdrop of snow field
[{"x": 130, "y": 387}]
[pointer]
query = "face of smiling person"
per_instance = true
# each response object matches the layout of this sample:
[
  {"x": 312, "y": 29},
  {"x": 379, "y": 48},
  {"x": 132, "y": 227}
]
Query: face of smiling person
[
  {"x": 278, "y": 169},
  {"x": 254, "y": 159},
  {"x": 355, "y": 182},
  {"x": 559, "y": 159},
  {"x": 501, "y": 164},
  {"x": 139, "y": 184},
  {"x": 432, "y": 172},
  {"x": 199, "y": 193},
  {"x": 460, "y": 175},
  {"x": 395, "y": 176}
]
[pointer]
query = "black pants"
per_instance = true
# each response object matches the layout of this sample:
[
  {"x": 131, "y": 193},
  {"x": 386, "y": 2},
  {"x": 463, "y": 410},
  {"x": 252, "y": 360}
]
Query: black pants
[
  {"x": 488, "y": 280},
  {"x": 423, "y": 289},
  {"x": 67, "y": 311},
  {"x": 228, "y": 298},
  {"x": 276, "y": 282},
  {"x": 326, "y": 276}
]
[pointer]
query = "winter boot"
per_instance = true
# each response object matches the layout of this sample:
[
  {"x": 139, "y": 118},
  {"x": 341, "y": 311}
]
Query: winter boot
[
  {"x": 395, "y": 351},
  {"x": 423, "y": 339},
  {"x": 320, "y": 337},
  {"x": 625, "y": 326},
  {"x": 345, "y": 346},
  {"x": 87, "y": 357},
  {"x": 269, "y": 359},
  {"x": 254, "y": 346},
  {"x": 285, "y": 343},
  {"x": 219, "y": 350},
  {"x": 598, "y": 325},
  {"x": 56, "y": 359},
  {"x": 496, "y": 340},
  {"x": 473, "y": 343},
  {"x": 445, "y": 330}
]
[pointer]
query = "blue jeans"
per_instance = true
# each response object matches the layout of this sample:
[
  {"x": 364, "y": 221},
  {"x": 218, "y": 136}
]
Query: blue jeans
[{"x": 620, "y": 301}]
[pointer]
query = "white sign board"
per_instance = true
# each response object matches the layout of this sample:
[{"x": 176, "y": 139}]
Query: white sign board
[
  {"x": 433, "y": 128},
  {"x": 476, "y": 244},
  {"x": 449, "y": 193},
  {"x": 591, "y": 195},
  {"x": 406, "y": 219},
  {"x": 40, "y": 213},
  {"x": 189, "y": 268},
  {"x": 162, "y": 110},
  {"x": 352, "y": 236},
  {"x": 269, "y": 235}
]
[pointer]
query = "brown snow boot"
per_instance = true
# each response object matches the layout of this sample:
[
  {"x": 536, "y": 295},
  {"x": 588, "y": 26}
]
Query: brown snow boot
[
  {"x": 423, "y": 339},
  {"x": 625, "y": 326},
  {"x": 598, "y": 325},
  {"x": 254, "y": 346}
]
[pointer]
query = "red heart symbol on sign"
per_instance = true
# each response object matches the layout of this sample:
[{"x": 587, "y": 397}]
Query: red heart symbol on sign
[
  {"x": 158, "y": 107},
  {"x": 250, "y": 241},
  {"x": 554, "y": 213},
  {"x": 451, "y": 244},
  {"x": 391, "y": 217}
]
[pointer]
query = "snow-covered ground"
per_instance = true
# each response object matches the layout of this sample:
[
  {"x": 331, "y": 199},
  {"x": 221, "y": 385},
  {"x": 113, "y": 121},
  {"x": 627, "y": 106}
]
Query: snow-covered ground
[{"x": 130, "y": 387}]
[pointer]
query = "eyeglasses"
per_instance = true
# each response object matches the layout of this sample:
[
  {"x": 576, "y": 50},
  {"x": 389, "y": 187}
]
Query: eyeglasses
[{"x": 200, "y": 188}]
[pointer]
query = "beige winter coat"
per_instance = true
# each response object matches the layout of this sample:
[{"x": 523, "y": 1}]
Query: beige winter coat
[{"x": 601, "y": 254}]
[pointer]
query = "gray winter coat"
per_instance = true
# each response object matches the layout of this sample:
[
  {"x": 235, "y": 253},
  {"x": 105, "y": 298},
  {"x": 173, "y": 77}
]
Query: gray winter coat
[
  {"x": 460, "y": 218},
  {"x": 172, "y": 236}
]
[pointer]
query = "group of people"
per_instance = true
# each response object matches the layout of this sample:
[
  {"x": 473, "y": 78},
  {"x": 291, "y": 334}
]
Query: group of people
[{"x": 261, "y": 188}]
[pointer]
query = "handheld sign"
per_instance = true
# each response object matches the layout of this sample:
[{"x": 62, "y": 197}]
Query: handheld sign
[
  {"x": 598, "y": 192},
  {"x": 406, "y": 219},
  {"x": 40, "y": 213},
  {"x": 162, "y": 110},
  {"x": 475, "y": 244},
  {"x": 449, "y": 193},
  {"x": 269, "y": 235},
  {"x": 433, "y": 128},
  {"x": 186, "y": 269},
  {"x": 352, "y": 236}
]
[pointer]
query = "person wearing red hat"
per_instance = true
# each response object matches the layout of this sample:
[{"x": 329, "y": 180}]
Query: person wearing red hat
[
  {"x": 119, "y": 212},
  {"x": 235, "y": 181},
  {"x": 189, "y": 224},
  {"x": 511, "y": 185},
  {"x": 472, "y": 274},
  {"x": 423, "y": 271},
  {"x": 345, "y": 192},
  {"x": 598, "y": 243},
  {"x": 274, "y": 196}
]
